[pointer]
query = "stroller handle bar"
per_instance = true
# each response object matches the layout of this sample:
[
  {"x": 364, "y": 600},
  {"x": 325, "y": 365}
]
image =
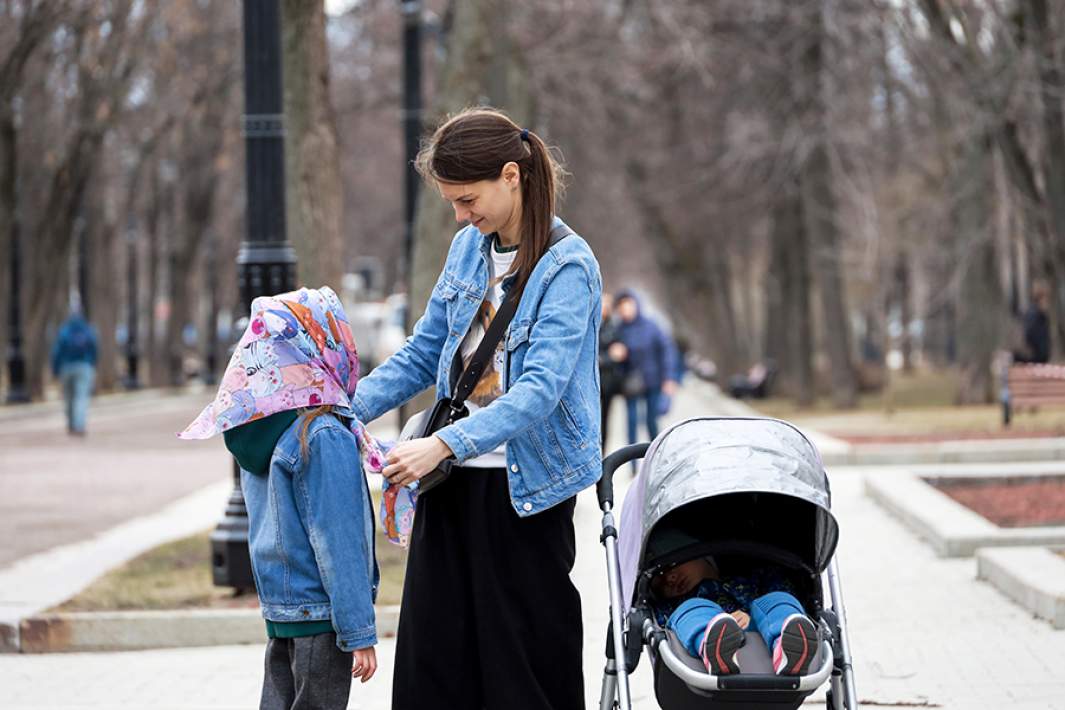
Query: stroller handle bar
[
  {"x": 705, "y": 681},
  {"x": 605, "y": 488}
]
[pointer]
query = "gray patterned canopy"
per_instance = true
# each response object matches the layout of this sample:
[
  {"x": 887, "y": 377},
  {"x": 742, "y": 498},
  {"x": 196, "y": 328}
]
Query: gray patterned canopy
[{"x": 710, "y": 456}]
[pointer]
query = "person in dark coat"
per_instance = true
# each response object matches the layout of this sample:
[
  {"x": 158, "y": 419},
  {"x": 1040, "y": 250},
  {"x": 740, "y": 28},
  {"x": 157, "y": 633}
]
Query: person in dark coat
[
  {"x": 649, "y": 364},
  {"x": 1036, "y": 328},
  {"x": 611, "y": 363}
]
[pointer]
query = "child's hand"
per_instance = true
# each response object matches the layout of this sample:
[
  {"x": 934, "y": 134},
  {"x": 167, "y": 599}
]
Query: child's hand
[
  {"x": 364, "y": 663},
  {"x": 742, "y": 618}
]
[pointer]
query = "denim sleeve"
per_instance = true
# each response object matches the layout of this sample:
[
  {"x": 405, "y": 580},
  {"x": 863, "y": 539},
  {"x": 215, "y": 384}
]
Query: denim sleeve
[
  {"x": 410, "y": 369},
  {"x": 556, "y": 336},
  {"x": 331, "y": 499}
]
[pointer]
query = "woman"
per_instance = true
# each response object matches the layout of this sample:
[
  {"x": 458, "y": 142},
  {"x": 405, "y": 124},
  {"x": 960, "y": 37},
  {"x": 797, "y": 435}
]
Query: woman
[{"x": 490, "y": 617}]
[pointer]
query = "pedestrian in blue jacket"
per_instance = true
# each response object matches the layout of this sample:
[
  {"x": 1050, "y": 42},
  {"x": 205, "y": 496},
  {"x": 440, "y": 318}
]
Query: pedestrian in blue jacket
[
  {"x": 74, "y": 364},
  {"x": 650, "y": 366}
]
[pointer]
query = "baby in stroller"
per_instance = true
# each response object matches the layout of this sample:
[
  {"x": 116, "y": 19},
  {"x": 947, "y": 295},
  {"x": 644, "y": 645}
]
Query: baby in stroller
[{"x": 709, "y": 613}]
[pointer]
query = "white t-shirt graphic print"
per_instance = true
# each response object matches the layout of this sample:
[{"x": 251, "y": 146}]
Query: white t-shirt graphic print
[{"x": 490, "y": 385}]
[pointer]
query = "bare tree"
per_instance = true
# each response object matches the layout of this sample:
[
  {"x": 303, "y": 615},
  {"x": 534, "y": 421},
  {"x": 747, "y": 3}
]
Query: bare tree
[{"x": 315, "y": 196}]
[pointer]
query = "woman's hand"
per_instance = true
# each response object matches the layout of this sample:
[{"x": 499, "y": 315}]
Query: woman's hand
[
  {"x": 364, "y": 663},
  {"x": 409, "y": 461},
  {"x": 742, "y": 618}
]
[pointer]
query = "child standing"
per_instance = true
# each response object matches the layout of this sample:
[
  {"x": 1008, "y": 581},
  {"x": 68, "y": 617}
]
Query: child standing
[
  {"x": 709, "y": 615},
  {"x": 283, "y": 408}
]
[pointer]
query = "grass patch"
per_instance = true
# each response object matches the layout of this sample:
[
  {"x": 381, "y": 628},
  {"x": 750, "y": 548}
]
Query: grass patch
[
  {"x": 917, "y": 403},
  {"x": 177, "y": 575}
]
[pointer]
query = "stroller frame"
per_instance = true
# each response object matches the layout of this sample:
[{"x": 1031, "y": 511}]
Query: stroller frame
[{"x": 627, "y": 636}]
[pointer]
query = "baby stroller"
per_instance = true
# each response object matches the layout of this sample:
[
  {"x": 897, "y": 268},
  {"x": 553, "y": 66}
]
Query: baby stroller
[{"x": 753, "y": 491}]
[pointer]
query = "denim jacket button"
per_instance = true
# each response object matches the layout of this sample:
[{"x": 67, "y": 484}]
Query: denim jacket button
[
  {"x": 514, "y": 467},
  {"x": 306, "y": 613},
  {"x": 527, "y": 507}
]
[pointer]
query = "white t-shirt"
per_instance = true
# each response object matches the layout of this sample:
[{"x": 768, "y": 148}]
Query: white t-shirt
[{"x": 490, "y": 385}]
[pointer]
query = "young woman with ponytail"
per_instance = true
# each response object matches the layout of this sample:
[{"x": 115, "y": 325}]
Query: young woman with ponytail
[{"x": 490, "y": 617}]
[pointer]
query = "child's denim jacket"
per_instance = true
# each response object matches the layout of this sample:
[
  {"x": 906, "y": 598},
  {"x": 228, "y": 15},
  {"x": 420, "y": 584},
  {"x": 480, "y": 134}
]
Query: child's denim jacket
[
  {"x": 548, "y": 414},
  {"x": 311, "y": 533}
]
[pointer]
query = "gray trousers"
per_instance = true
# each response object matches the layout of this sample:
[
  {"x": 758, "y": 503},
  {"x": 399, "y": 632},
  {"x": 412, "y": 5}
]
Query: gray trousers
[{"x": 306, "y": 673}]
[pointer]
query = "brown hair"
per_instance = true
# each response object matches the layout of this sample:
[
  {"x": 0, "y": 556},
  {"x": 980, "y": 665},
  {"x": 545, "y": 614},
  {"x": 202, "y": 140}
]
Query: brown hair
[
  {"x": 309, "y": 415},
  {"x": 474, "y": 145}
]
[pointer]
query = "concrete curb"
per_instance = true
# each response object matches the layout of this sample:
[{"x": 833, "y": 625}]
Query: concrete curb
[
  {"x": 1032, "y": 577},
  {"x": 952, "y": 529},
  {"x": 138, "y": 630},
  {"x": 32, "y": 584},
  {"x": 944, "y": 452}
]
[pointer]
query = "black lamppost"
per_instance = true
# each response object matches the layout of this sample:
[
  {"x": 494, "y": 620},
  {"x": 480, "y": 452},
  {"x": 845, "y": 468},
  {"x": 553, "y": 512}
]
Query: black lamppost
[
  {"x": 412, "y": 125},
  {"x": 132, "y": 382},
  {"x": 16, "y": 364},
  {"x": 81, "y": 229},
  {"x": 412, "y": 130},
  {"x": 210, "y": 368},
  {"x": 17, "y": 391},
  {"x": 266, "y": 263}
]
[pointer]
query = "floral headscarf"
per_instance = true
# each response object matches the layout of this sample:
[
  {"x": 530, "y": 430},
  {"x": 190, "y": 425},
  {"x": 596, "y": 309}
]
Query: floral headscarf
[{"x": 298, "y": 352}]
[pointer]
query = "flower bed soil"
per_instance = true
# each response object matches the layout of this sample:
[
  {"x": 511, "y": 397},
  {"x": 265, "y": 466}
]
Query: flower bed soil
[{"x": 1011, "y": 502}]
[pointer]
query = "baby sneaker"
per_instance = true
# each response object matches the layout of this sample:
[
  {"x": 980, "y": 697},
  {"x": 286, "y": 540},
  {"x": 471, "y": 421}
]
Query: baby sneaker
[
  {"x": 795, "y": 648},
  {"x": 723, "y": 638}
]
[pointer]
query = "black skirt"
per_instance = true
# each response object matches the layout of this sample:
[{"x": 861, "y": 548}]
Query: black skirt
[{"x": 490, "y": 617}]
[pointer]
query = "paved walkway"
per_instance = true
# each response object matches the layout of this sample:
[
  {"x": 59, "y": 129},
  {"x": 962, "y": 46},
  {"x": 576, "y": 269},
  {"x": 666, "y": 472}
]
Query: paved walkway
[
  {"x": 924, "y": 632},
  {"x": 56, "y": 489}
]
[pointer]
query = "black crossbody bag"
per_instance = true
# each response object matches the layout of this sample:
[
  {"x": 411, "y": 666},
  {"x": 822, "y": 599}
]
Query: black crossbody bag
[{"x": 449, "y": 410}]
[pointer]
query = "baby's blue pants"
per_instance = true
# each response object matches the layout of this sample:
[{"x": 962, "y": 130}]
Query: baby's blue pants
[{"x": 767, "y": 612}]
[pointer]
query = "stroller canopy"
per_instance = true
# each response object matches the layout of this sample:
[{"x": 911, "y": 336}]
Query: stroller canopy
[{"x": 708, "y": 457}]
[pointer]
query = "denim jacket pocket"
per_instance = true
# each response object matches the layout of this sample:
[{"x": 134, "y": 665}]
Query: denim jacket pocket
[
  {"x": 570, "y": 422},
  {"x": 518, "y": 335},
  {"x": 449, "y": 292}
]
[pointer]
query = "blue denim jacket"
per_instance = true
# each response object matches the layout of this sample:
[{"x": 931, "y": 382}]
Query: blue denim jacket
[
  {"x": 548, "y": 414},
  {"x": 311, "y": 533}
]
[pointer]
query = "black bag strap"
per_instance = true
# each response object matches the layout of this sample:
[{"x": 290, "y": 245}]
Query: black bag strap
[{"x": 472, "y": 375}]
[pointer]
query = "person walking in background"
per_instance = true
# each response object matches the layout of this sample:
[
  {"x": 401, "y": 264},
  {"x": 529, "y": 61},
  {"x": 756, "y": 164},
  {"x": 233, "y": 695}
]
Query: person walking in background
[
  {"x": 612, "y": 354},
  {"x": 648, "y": 364},
  {"x": 74, "y": 365},
  {"x": 1036, "y": 327}
]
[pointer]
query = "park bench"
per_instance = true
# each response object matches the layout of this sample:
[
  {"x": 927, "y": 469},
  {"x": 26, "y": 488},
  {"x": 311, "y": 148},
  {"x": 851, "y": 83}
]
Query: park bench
[{"x": 1031, "y": 386}]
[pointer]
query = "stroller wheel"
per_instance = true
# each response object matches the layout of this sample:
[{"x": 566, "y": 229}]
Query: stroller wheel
[{"x": 723, "y": 638}]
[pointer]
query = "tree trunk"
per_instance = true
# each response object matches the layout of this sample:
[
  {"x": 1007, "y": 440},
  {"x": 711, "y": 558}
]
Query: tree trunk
[
  {"x": 315, "y": 194},
  {"x": 9, "y": 228},
  {"x": 1052, "y": 92},
  {"x": 478, "y": 54},
  {"x": 821, "y": 222},
  {"x": 904, "y": 299},
  {"x": 198, "y": 210},
  {"x": 981, "y": 304},
  {"x": 789, "y": 324},
  {"x": 53, "y": 243},
  {"x": 103, "y": 284},
  {"x": 154, "y": 271}
]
